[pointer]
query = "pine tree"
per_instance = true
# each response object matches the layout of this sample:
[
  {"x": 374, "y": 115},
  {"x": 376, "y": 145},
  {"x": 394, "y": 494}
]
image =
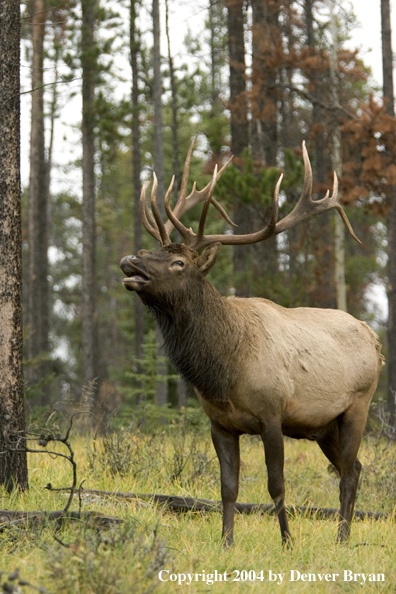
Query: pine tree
[
  {"x": 162, "y": 387},
  {"x": 13, "y": 464},
  {"x": 38, "y": 307},
  {"x": 136, "y": 164},
  {"x": 239, "y": 128},
  {"x": 388, "y": 91},
  {"x": 89, "y": 286}
]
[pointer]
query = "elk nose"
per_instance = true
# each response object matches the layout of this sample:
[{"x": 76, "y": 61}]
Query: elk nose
[{"x": 127, "y": 261}]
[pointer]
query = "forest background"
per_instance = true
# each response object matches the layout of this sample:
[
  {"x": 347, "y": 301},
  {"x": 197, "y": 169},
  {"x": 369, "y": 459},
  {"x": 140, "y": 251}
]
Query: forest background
[{"x": 253, "y": 79}]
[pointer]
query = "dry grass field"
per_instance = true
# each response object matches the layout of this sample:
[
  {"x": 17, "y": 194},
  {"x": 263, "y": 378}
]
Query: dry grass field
[{"x": 186, "y": 546}]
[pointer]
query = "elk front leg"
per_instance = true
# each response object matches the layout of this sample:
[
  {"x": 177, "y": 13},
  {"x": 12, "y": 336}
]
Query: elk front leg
[
  {"x": 227, "y": 448},
  {"x": 274, "y": 458}
]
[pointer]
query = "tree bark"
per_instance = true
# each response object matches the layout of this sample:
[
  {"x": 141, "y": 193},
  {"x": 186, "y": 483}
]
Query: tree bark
[
  {"x": 339, "y": 229},
  {"x": 265, "y": 30},
  {"x": 388, "y": 92},
  {"x": 89, "y": 307},
  {"x": 264, "y": 105},
  {"x": 136, "y": 165},
  {"x": 387, "y": 57},
  {"x": 324, "y": 293},
  {"x": 162, "y": 386},
  {"x": 37, "y": 211},
  {"x": 175, "y": 140},
  {"x": 13, "y": 465},
  {"x": 239, "y": 130}
]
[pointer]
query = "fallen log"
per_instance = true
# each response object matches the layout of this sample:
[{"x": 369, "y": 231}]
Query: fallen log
[
  {"x": 38, "y": 518},
  {"x": 184, "y": 504}
]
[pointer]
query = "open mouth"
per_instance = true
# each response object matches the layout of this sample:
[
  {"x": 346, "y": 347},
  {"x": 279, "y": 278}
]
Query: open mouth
[
  {"x": 135, "y": 277},
  {"x": 138, "y": 278},
  {"x": 134, "y": 280}
]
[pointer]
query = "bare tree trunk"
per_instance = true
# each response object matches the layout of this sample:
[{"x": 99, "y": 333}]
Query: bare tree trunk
[
  {"x": 89, "y": 307},
  {"x": 162, "y": 386},
  {"x": 265, "y": 33},
  {"x": 13, "y": 465},
  {"x": 324, "y": 294},
  {"x": 215, "y": 132},
  {"x": 175, "y": 140},
  {"x": 239, "y": 128},
  {"x": 388, "y": 91},
  {"x": 339, "y": 231},
  {"x": 180, "y": 386},
  {"x": 37, "y": 209},
  {"x": 136, "y": 164}
]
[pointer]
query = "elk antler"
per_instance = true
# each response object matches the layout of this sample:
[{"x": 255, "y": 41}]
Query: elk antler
[
  {"x": 305, "y": 208},
  {"x": 154, "y": 224}
]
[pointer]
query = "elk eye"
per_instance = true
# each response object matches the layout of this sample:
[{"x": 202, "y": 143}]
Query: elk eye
[{"x": 178, "y": 263}]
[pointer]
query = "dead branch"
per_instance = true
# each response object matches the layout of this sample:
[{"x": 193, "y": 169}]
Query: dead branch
[
  {"x": 184, "y": 504},
  {"x": 10, "y": 518},
  {"x": 14, "y": 580}
]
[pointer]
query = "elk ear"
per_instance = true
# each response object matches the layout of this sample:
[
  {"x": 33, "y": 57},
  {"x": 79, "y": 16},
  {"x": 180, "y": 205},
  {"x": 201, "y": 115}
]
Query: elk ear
[{"x": 208, "y": 257}]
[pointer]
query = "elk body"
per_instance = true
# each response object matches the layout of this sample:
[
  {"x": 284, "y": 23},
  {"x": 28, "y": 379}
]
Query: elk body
[{"x": 257, "y": 367}]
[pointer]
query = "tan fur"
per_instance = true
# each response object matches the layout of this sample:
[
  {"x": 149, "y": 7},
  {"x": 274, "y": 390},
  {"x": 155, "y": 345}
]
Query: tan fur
[{"x": 306, "y": 365}]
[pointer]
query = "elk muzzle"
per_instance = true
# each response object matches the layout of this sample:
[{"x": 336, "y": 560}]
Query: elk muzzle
[{"x": 136, "y": 277}]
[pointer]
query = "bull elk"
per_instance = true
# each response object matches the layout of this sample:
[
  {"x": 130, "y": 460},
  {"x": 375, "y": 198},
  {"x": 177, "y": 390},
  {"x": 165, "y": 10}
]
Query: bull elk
[{"x": 257, "y": 368}]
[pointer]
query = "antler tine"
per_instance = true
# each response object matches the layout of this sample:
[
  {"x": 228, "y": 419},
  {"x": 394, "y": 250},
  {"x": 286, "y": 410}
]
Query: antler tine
[
  {"x": 248, "y": 238},
  {"x": 145, "y": 215},
  {"x": 180, "y": 206},
  {"x": 165, "y": 240},
  {"x": 196, "y": 196},
  {"x": 187, "y": 234},
  {"x": 186, "y": 171},
  {"x": 202, "y": 220},
  {"x": 306, "y": 207},
  {"x": 341, "y": 211}
]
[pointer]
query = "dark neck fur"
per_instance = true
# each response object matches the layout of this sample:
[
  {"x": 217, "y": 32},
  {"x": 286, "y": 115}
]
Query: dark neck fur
[{"x": 201, "y": 338}]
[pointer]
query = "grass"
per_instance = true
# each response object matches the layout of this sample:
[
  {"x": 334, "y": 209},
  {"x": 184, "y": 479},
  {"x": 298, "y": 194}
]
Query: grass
[{"x": 177, "y": 461}]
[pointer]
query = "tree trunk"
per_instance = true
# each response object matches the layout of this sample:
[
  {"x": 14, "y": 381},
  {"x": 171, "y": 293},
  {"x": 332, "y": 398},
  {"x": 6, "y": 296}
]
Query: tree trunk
[
  {"x": 387, "y": 73},
  {"x": 13, "y": 465},
  {"x": 136, "y": 164},
  {"x": 89, "y": 307},
  {"x": 265, "y": 96},
  {"x": 323, "y": 294},
  {"x": 339, "y": 230},
  {"x": 37, "y": 210},
  {"x": 239, "y": 130},
  {"x": 162, "y": 386},
  {"x": 265, "y": 30},
  {"x": 387, "y": 57},
  {"x": 175, "y": 140}
]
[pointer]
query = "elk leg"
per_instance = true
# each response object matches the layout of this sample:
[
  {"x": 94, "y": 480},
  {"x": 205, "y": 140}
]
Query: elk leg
[
  {"x": 341, "y": 446},
  {"x": 330, "y": 446},
  {"x": 274, "y": 458},
  {"x": 227, "y": 448},
  {"x": 352, "y": 425}
]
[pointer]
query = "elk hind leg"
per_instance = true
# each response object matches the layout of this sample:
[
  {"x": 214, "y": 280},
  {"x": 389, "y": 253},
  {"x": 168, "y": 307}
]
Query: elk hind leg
[
  {"x": 341, "y": 445},
  {"x": 352, "y": 425},
  {"x": 274, "y": 458},
  {"x": 227, "y": 449}
]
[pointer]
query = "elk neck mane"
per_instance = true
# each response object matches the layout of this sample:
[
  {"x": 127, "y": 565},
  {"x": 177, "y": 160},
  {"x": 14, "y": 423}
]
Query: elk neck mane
[{"x": 206, "y": 337}]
